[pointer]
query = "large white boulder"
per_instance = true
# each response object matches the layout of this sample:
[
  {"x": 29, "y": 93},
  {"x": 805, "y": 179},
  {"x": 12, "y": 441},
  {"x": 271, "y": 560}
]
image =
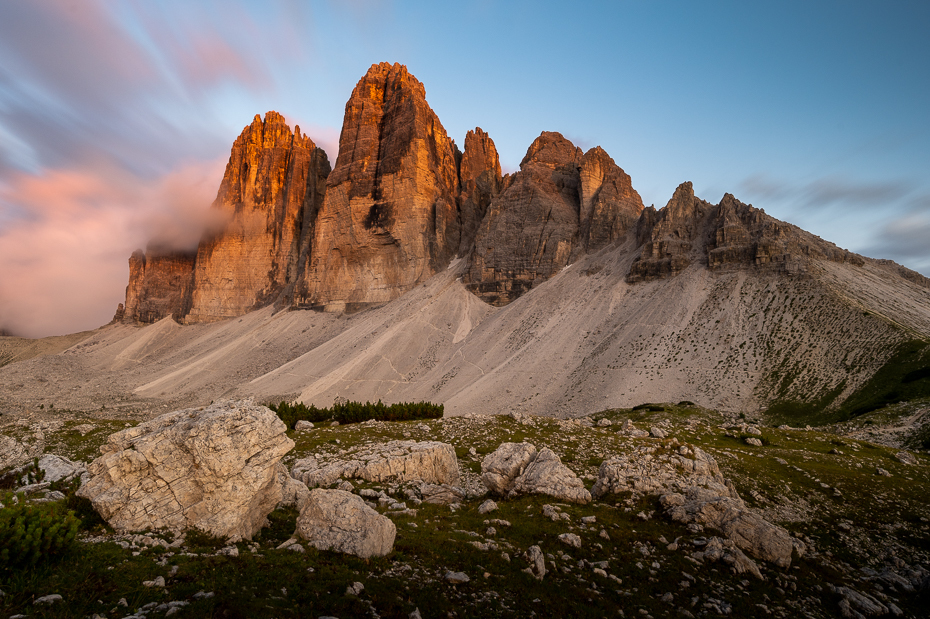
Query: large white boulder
[
  {"x": 517, "y": 468},
  {"x": 501, "y": 468},
  {"x": 217, "y": 469},
  {"x": 431, "y": 462},
  {"x": 341, "y": 521}
]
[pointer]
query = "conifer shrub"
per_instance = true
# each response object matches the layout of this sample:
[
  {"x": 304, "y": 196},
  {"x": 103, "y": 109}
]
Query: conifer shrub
[
  {"x": 33, "y": 532},
  {"x": 356, "y": 412}
]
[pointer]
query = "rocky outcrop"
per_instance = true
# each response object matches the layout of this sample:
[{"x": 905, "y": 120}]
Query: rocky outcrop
[
  {"x": 547, "y": 475},
  {"x": 160, "y": 285},
  {"x": 643, "y": 471},
  {"x": 727, "y": 235},
  {"x": 390, "y": 218},
  {"x": 431, "y": 462},
  {"x": 341, "y": 521},
  {"x": 517, "y": 468},
  {"x": 745, "y": 528},
  {"x": 561, "y": 203},
  {"x": 271, "y": 191},
  {"x": 501, "y": 468},
  {"x": 216, "y": 469}
]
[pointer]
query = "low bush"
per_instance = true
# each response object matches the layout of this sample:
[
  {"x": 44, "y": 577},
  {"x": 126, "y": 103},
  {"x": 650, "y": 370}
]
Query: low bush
[
  {"x": 30, "y": 532},
  {"x": 356, "y": 412}
]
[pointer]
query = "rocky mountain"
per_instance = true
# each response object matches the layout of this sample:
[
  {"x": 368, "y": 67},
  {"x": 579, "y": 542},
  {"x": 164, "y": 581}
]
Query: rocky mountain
[{"x": 548, "y": 291}]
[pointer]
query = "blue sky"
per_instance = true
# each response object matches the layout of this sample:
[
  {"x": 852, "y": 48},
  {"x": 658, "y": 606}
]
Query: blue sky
[{"x": 116, "y": 118}]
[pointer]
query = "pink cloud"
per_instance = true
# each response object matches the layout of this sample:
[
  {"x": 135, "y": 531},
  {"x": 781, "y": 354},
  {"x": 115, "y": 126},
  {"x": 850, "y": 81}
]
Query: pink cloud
[{"x": 65, "y": 259}]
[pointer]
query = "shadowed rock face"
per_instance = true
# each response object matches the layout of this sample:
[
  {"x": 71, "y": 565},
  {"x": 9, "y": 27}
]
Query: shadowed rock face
[
  {"x": 159, "y": 285},
  {"x": 561, "y": 203},
  {"x": 390, "y": 218},
  {"x": 727, "y": 235},
  {"x": 271, "y": 191}
]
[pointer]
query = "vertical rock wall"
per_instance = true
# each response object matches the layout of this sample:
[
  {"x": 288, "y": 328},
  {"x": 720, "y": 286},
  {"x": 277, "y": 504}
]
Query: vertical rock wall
[
  {"x": 390, "y": 218},
  {"x": 272, "y": 188}
]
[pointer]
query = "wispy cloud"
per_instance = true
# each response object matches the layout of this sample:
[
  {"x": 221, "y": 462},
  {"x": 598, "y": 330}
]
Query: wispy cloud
[
  {"x": 64, "y": 251},
  {"x": 827, "y": 192}
]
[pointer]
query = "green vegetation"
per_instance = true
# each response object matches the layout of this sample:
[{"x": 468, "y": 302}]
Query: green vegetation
[
  {"x": 356, "y": 412},
  {"x": 905, "y": 376},
  {"x": 32, "y": 532}
]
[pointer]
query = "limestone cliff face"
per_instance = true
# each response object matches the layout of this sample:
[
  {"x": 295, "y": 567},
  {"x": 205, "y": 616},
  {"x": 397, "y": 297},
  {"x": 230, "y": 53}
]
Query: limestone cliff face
[
  {"x": 160, "y": 284},
  {"x": 726, "y": 235},
  {"x": 390, "y": 218},
  {"x": 271, "y": 190},
  {"x": 480, "y": 182},
  {"x": 561, "y": 203}
]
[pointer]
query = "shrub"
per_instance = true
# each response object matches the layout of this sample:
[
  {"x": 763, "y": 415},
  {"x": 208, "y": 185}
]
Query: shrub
[
  {"x": 355, "y": 412},
  {"x": 31, "y": 532}
]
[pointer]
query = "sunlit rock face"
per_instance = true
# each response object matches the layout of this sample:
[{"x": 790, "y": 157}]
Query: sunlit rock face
[
  {"x": 160, "y": 285},
  {"x": 561, "y": 203},
  {"x": 270, "y": 194},
  {"x": 390, "y": 218}
]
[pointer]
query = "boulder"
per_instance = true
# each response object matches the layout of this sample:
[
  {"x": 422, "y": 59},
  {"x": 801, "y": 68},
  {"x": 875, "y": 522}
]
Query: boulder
[
  {"x": 547, "y": 475},
  {"x": 642, "y": 473},
  {"x": 745, "y": 528},
  {"x": 341, "y": 521},
  {"x": 500, "y": 469},
  {"x": 441, "y": 494},
  {"x": 217, "y": 469},
  {"x": 537, "y": 561},
  {"x": 397, "y": 461},
  {"x": 58, "y": 468}
]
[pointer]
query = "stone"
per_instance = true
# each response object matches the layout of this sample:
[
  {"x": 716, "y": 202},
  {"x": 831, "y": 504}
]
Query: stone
[
  {"x": 726, "y": 550},
  {"x": 159, "y": 581},
  {"x": 396, "y": 461},
  {"x": 560, "y": 205},
  {"x": 441, "y": 494},
  {"x": 570, "y": 539},
  {"x": 215, "y": 468},
  {"x": 391, "y": 217},
  {"x": 342, "y": 522},
  {"x": 657, "y": 432},
  {"x": 500, "y": 469},
  {"x": 603, "y": 422},
  {"x": 640, "y": 473},
  {"x": 456, "y": 578},
  {"x": 59, "y": 468},
  {"x": 47, "y": 599},
  {"x": 487, "y": 507},
  {"x": 750, "y": 440},
  {"x": 906, "y": 457},
  {"x": 537, "y": 561},
  {"x": 883, "y": 472},
  {"x": 355, "y": 589},
  {"x": 303, "y": 425},
  {"x": 857, "y": 604},
  {"x": 745, "y": 528},
  {"x": 547, "y": 475}
]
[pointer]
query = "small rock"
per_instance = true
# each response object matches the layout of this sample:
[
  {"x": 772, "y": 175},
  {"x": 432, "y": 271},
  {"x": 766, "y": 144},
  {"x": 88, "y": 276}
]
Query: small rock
[
  {"x": 472, "y": 451},
  {"x": 200, "y": 595},
  {"x": 415, "y": 614},
  {"x": 906, "y": 457},
  {"x": 657, "y": 432},
  {"x": 229, "y": 551},
  {"x": 487, "y": 507},
  {"x": 571, "y": 539},
  {"x": 589, "y": 519},
  {"x": 48, "y": 599},
  {"x": 537, "y": 568},
  {"x": 880, "y": 471},
  {"x": 158, "y": 582},
  {"x": 303, "y": 425},
  {"x": 749, "y": 440},
  {"x": 355, "y": 589},
  {"x": 603, "y": 422},
  {"x": 457, "y": 577}
]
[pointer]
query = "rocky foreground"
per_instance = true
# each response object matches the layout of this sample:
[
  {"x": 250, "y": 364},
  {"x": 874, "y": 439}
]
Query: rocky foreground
[{"x": 662, "y": 511}]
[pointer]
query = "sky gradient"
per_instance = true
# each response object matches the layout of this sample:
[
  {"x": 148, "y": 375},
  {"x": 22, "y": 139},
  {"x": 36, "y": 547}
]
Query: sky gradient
[{"x": 116, "y": 118}]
